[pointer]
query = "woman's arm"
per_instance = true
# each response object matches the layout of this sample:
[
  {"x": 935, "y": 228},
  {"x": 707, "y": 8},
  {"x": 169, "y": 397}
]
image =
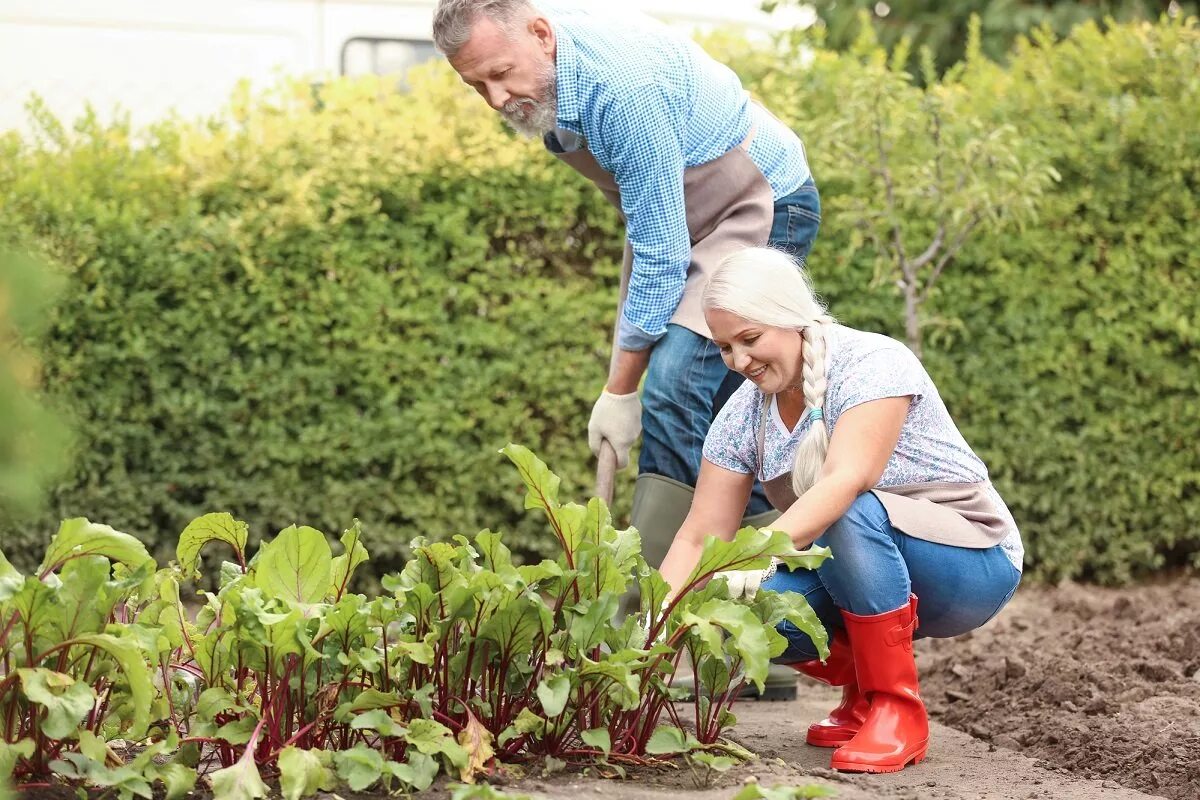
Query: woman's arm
[
  {"x": 717, "y": 506},
  {"x": 862, "y": 443}
]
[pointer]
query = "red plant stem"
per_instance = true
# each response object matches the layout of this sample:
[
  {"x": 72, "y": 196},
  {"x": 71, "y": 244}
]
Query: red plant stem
[
  {"x": 274, "y": 755},
  {"x": 387, "y": 681}
]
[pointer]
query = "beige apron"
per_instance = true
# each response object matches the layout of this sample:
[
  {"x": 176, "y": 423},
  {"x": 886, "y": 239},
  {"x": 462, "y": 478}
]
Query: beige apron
[
  {"x": 728, "y": 203},
  {"x": 959, "y": 514}
]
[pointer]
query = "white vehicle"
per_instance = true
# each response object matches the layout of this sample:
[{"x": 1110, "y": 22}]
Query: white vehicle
[{"x": 151, "y": 57}]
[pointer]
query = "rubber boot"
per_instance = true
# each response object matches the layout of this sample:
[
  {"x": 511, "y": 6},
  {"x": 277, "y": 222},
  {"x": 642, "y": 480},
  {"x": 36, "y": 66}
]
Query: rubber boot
[
  {"x": 895, "y": 732},
  {"x": 660, "y": 505},
  {"x": 838, "y": 670},
  {"x": 781, "y": 678}
]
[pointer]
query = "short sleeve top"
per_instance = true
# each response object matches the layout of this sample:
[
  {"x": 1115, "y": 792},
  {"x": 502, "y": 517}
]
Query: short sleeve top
[{"x": 860, "y": 367}]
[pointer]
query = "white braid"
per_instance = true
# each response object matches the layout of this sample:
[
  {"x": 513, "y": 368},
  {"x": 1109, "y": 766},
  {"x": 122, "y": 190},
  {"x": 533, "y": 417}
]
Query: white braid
[{"x": 810, "y": 452}]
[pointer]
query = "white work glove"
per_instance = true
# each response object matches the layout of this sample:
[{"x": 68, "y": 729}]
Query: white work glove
[
  {"x": 617, "y": 418},
  {"x": 744, "y": 583}
]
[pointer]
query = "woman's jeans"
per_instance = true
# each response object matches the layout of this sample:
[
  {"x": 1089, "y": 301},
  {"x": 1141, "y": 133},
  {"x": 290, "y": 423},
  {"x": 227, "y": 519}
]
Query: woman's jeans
[
  {"x": 687, "y": 383},
  {"x": 874, "y": 568}
]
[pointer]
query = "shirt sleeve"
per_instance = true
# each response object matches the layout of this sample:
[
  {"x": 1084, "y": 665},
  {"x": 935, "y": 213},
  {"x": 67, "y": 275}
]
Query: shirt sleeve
[
  {"x": 884, "y": 372},
  {"x": 641, "y": 140},
  {"x": 732, "y": 440}
]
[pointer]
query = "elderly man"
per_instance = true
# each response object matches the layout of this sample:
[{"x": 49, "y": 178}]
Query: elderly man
[{"x": 697, "y": 170}]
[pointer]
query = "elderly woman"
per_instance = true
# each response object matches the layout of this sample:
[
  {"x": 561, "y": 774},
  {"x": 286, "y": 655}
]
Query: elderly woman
[{"x": 854, "y": 445}]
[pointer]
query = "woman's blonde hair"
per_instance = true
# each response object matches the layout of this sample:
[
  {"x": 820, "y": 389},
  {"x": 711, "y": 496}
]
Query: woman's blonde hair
[{"x": 769, "y": 287}]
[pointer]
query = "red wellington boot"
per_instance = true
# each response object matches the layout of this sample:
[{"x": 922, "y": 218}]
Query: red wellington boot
[
  {"x": 838, "y": 670},
  {"x": 895, "y": 732}
]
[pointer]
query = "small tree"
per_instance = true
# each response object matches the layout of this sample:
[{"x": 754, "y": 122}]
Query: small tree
[{"x": 926, "y": 171}]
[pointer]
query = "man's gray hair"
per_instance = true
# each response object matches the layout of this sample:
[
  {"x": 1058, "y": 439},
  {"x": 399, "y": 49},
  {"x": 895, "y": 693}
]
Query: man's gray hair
[{"x": 453, "y": 20}]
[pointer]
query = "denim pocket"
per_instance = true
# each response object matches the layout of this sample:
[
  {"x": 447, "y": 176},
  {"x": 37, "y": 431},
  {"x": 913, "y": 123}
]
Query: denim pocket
[{"x": 797, "y": 220}]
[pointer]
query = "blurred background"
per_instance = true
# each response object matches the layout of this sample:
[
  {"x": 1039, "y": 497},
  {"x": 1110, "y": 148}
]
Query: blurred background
[{"x": 271, "y": 257}]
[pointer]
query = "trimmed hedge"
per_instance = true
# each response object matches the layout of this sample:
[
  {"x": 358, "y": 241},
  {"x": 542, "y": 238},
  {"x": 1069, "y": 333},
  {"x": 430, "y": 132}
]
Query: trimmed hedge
[{"x": 326, "y": 310}]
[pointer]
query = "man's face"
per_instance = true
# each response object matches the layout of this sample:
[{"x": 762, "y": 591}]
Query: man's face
[{"x": 514, "y": 73}]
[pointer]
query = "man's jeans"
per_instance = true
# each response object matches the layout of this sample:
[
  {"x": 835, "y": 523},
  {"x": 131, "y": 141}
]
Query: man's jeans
[
  {"x": 687, "y": 382},
  {"x": 875, "y": 567}
]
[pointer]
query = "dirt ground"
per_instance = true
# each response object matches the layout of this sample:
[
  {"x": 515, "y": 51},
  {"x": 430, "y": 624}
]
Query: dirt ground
[
  {"x": 1104, "y": 683},
  {"x": 1073, "y": 692}
]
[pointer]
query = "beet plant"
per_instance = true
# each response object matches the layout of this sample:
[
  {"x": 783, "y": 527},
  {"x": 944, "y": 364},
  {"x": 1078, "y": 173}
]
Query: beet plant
[
  {"x": 78, "y": 668},
  {"x": 467, "y": 663}
]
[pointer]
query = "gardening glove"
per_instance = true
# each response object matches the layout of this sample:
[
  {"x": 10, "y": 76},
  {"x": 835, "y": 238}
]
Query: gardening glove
[
  {"x": 744, "y": 583},
  {"x": 617, "y": 418}
]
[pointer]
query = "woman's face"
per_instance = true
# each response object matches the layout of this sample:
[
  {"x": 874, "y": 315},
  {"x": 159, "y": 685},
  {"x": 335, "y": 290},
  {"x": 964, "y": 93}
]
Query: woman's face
[{"x": 771, "y": 357}]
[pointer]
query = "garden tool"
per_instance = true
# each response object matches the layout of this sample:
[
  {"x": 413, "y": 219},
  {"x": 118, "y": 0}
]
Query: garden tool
[
  {"x": 837, "y": 670},
  {"x": 895, "y": 732},
  {"x": 606, "y": 460}
]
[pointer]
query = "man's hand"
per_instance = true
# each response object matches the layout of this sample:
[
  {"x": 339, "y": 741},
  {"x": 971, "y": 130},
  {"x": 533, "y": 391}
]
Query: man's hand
[
  {"x": 744, "y": 583},
  {"x": 617, "y": 418}
]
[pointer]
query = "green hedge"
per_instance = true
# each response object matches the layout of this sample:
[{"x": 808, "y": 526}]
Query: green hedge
[{"x": 343, "y": 309}]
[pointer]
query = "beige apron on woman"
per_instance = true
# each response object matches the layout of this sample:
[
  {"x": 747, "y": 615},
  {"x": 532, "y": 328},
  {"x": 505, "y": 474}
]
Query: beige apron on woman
[
  {"x": 728, "y": 203},
  {"x": 959, "y": 514}
]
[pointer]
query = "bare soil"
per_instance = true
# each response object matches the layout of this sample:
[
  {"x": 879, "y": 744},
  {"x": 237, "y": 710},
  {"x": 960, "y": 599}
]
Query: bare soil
[
  {"x": 1072, "y": 692},
  {"x": 1102, "y": 682}
]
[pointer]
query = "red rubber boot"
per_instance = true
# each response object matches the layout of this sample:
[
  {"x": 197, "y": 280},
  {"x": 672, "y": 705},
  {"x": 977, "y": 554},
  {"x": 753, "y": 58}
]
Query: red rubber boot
[
  {"x": 895, "y": 732},
  {"x": 838, "y": 670}
]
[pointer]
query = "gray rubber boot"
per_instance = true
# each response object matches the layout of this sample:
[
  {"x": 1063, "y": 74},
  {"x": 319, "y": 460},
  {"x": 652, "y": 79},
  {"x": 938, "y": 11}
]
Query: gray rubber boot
[{"x": 660, "y": 505}]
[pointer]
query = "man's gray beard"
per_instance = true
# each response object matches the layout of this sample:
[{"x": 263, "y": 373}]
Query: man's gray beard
[{"x": 544, "y": 116}]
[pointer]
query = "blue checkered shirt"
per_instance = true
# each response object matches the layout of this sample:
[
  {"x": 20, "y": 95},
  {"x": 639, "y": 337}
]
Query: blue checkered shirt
[{"x": 649, "y": 102}]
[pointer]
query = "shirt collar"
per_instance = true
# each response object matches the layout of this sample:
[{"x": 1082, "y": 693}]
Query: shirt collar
[{"x": 567, "y": 73}]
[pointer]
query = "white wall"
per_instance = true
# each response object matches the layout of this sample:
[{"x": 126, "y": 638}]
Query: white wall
[{"x": 150, "y": 57}]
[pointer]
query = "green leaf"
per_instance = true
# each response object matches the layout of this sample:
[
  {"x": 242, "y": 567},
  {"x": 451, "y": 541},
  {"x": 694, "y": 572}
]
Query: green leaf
[
  {"x": 359, "y": 766},
  {"x": 78, "y": 537},
  {"x": 431, "y": 738},
  {"x": 137, "y": 675},
  {"x": 295, "y": 566},
  {"x": 462, "y": 791},
  {"x": 616, "y": 679},
  {"x": 217, "y": 527},
  {"x": 756, "y": 791},
  {"x": 419, "y": 771},
  {"x": 377, "y": 720},
  {"x": 747, "y": 635},
  {"x": 66, "y": 701},
  {"x": 239, "y": 782},
  {"x": 354, "y": 555},
  {"x": 753, "y": 549},
  {"x": 589, "y": 628},
  {"x": 553, "y": 692},
  {"x": 598, "y": 738},
  {"x": 667, "y": 740},
  {"x": 716, "y": 763},
  {"x": 304, "y": 772},
  {"x": 520, "y": 623},
  {"x": 10, "y": 579},
  {"x": 179, "y": 780},
  {"x": 541, "y": 485}
]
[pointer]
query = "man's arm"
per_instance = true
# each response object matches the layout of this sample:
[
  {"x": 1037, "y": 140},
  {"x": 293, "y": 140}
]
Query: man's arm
[{"x": 640, "y": 139}]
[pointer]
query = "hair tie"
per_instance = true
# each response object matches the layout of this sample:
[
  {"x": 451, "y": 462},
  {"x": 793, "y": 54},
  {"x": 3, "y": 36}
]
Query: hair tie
[{"x": 815, "y": 414}]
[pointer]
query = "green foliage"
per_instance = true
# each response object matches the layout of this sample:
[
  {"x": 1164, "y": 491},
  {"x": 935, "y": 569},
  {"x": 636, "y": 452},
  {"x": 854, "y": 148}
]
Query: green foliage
[
  {"x": 315, "y": 313},
  {"x": 32, "y": 438},
  {"x": 942, "y": 26},
  {"x": 756, "y": 791},
  {"x": 467, "y": 663},
  {"x": 340, "y": 311},
  {"x": 1065, "y": 350}
]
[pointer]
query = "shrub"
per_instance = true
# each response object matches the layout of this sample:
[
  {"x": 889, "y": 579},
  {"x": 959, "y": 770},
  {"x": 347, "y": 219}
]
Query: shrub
[{"x": 318, "y": 310}]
